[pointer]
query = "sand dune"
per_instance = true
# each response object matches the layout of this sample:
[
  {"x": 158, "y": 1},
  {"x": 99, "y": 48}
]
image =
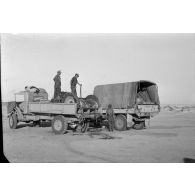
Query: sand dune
[{"x": 178, "y": 108}]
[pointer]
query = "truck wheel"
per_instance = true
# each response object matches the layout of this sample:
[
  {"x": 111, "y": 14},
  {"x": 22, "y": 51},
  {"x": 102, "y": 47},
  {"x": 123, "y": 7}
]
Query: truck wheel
[
  {"x": 120, "y": 122},
  {"x": 82, "y": 127},
  {"x": 139, "y": 125},
  {"x": 59, "y": 125},
  {"x": 68, "y": 98},
  {"x": 85, "y": 127},
  {"x": 93, "y": 100},
  {"x": 13, "y": 121}
]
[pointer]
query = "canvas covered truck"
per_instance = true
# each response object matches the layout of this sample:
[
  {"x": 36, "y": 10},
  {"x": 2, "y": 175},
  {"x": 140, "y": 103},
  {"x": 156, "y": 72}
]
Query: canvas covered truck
[{"x": 133, "y": 102}]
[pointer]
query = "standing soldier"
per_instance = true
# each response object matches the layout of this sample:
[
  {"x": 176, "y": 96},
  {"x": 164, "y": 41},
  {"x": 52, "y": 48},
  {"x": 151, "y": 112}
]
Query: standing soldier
[
  {"x": 73, "y": 84},
  {"x": 57, "y": 85},
  {"x": 110, "y": 117}
]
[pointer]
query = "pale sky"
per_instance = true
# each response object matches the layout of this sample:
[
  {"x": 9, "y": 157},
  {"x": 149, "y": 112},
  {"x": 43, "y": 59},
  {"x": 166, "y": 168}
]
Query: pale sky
[{"x": 166, "y": 59}]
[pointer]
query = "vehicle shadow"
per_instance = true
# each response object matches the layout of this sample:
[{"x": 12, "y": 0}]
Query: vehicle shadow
[
  {"x": 45, "y": 124},
  {"x": 19, "y": 126},
  {"x": 42, "y": 124},
  {"x": 100, "y": 134},
  {"x": 164, "y": 127}
]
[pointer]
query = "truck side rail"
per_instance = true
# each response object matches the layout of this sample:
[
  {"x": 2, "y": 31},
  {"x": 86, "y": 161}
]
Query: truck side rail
[{"x": 121, "y": 111}]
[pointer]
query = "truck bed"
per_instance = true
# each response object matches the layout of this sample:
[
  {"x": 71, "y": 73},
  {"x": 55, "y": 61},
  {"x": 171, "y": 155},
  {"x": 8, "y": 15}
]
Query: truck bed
[
  {"x": 143, "y": 108},
  {"x": 52, "y": 108}
]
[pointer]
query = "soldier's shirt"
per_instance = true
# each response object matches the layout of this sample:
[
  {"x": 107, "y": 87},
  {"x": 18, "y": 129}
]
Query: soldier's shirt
[
  {"x": 73, "y": 82},
  {"x": 110, "y": 112}
]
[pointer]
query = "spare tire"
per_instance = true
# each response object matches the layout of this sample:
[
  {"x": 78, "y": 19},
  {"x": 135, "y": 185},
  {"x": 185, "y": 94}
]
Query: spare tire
[
  {"x": 92, "y": 100},
  {"x": 67, "y": 98}
]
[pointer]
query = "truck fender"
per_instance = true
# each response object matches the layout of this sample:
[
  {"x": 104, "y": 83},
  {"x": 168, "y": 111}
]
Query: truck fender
[{"x": 19, "y": 114}]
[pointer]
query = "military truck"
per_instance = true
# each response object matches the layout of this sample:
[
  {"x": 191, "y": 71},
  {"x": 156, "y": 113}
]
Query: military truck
[
  {"x": 133, "y": 102},
  {"x": 35, "y": 107}
]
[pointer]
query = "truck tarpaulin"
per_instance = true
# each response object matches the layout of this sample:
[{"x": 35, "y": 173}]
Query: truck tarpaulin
[
  {"x": 123, "y": 95},
  {"x": 120, "y": 95}
]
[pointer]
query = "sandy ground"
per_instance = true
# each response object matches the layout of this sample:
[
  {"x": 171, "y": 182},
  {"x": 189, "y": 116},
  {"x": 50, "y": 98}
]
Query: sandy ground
[{"x": 170, "y": 137}]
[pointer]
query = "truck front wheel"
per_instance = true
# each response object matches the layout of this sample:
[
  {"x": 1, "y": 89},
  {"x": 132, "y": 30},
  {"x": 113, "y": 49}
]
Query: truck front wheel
[
  {"x": 13, "y": 121},
  {"x": 59, "y": 125},
  {"x": 120, "y": 122}
]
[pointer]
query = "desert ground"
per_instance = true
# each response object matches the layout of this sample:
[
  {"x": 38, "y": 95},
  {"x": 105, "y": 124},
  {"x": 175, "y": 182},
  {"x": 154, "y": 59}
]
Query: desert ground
[{"x": 169, "y": 137}]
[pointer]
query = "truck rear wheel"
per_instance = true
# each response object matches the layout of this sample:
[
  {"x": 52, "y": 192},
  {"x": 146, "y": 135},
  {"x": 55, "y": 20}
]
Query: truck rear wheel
[
  {"x": 120, "y": 122},
  {"x": 59, "y": 125},
  {"x": 139, "y": 125},
  {"x": 13, "y": 121}
]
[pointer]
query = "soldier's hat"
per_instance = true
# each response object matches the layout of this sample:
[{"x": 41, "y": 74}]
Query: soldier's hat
[
  {"x": 77, "y": 74},
  {"x": 59, "y": 71}
]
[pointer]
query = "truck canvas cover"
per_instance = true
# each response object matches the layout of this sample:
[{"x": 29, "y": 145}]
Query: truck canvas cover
[{"x": 123, "y": 95}]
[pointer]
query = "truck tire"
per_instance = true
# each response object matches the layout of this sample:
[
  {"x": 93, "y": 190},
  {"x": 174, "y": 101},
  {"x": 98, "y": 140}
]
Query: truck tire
[
  {"x": 139, "y": 125},
  {"x": 13, "y": 121},
  {"x": 82, "y": 127},
  {"x": 120, "y": 122},
  {"x": 94, "y": 100},
  {"x": 68, "y": 98},
  {"x": 59, "y": 125},
  {"x": 85, "y": 127}
]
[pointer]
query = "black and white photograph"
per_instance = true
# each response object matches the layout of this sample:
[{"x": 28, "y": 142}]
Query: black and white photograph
[{"x": 98, "y": 97}]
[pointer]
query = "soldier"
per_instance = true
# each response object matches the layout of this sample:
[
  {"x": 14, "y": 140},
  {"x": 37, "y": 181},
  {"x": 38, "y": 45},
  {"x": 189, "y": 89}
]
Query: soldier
[
  {"x": 57, "y": 85},
  {"x": 110, "y": 117},
  {"x": 73, "y": 84}
]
